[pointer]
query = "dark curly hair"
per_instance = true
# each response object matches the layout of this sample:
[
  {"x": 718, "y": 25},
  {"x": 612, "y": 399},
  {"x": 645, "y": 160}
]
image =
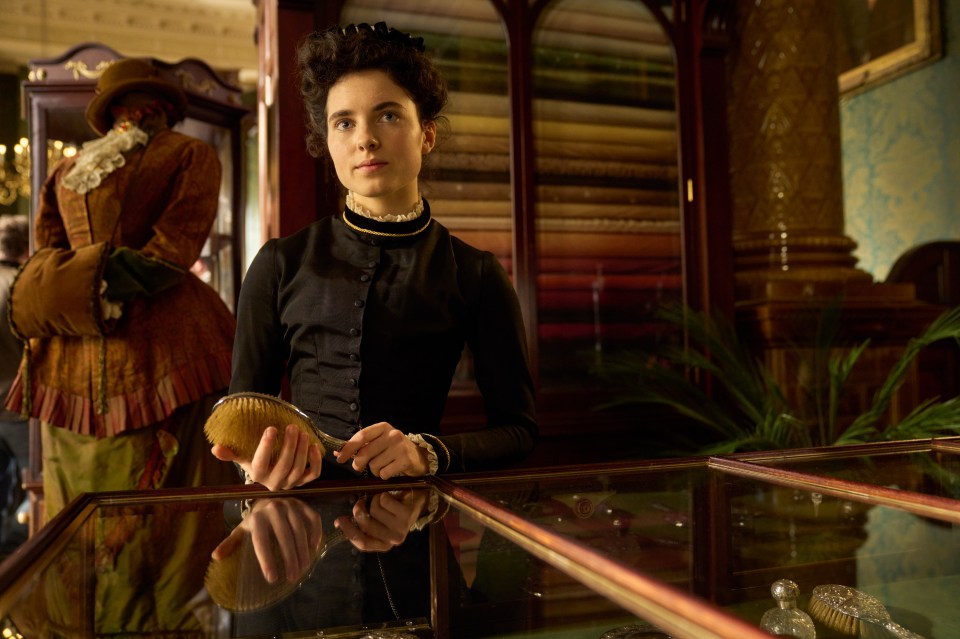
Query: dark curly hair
[{"x": 323, "y": 57}]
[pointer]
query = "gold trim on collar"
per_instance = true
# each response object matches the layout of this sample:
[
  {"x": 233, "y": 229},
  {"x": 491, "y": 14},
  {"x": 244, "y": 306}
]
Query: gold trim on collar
[{"x": 382, "y": 233}]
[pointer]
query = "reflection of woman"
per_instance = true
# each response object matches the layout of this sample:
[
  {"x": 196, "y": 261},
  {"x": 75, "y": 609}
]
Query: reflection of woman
[
  {"x": 287, "y": 574},
  {"x": 368, "y": 312},
  {"x": 122, "y": 405}
]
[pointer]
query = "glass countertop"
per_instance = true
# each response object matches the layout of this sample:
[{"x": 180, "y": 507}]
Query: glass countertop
[
  {"x": 678, "y": 548},
  {"x": 366, "y": 561},
  {"x": 927, "y": 468}
]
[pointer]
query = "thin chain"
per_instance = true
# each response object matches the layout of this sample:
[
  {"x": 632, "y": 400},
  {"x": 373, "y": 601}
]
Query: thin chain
[
  {"x": 383, "y": 576},
  {"x": 381, "y": 233}
]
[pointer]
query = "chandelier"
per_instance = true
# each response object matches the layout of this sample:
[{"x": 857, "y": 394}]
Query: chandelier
[{"x": 15, "y": 174}]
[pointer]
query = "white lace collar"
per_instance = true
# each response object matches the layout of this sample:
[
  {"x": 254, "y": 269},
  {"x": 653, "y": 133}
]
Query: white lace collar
[
  {"x": 101, "y": 157},
  {"x": 357, "y": 208}
]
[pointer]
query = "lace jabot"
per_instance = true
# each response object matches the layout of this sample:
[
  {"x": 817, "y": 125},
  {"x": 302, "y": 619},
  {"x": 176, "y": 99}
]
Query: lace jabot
[
  {"x": 357, "y": 208},
  {"x": 101, "y": 157}
]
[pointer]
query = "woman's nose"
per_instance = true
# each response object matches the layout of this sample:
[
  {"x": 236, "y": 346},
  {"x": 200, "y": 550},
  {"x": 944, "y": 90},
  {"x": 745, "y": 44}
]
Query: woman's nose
[{"x": 369, "y": 142}]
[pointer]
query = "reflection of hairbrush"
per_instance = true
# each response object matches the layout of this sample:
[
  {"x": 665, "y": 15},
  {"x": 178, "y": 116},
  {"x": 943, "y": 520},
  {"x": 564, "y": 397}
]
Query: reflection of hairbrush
[
  {"x": 236, "y": 582},
  {"x": 854, "y": 613},
  {"x": 641, "y": 630},
  {"x": 238, "y": 420}
]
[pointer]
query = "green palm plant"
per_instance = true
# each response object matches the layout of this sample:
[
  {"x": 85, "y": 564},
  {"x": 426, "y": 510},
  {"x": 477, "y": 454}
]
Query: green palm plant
[{"x": 753, "y": 412}]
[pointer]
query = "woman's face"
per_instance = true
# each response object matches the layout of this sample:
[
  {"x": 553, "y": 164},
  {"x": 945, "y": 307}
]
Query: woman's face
[{"x": 376, "y": 140}]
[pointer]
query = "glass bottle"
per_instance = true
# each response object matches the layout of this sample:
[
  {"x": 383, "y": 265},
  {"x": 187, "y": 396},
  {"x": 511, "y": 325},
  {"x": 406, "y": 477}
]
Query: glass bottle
[{"x": 786, "y": 620}]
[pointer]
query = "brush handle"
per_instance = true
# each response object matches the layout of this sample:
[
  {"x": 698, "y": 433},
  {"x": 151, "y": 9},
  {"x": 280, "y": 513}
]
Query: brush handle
[
  {"x": 899, "y": 631},
  {"x": 329, "y": 441}
]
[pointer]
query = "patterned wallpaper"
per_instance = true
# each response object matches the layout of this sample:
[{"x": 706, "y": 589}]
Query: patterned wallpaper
[{"x": 901, "y": 157}]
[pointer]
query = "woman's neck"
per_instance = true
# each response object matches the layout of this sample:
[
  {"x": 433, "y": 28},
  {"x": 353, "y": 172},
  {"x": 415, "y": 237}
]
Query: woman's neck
[{"x": 410, "y": 212}]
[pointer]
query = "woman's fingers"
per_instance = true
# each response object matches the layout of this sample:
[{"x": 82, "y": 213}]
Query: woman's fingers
[
  {"x": 315, "y": 464},
  {"x": 260, "y": 465},
  {"x": 298, "y": 461},
  {"x": 263, "y": 547},
  {"x": 385, "y": 451},
  {"x": 224, "y": 454},
  {"x": 229, "y": 545}
]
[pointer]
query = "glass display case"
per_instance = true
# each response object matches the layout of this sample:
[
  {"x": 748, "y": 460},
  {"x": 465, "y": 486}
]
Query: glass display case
[
  {"x": 55, "y": 96},
  {"x": 865, "y": 536}
]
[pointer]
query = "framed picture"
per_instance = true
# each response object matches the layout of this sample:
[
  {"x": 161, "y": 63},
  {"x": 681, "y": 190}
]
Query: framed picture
[{"x": 878, "y": 40}]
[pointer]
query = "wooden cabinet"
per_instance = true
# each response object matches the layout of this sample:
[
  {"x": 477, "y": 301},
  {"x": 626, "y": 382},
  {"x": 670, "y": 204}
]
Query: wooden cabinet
[
  {"x": 55, "y": 97},
  {"x": 576, "y": 153},
  {"x": 56, "y": 94}
]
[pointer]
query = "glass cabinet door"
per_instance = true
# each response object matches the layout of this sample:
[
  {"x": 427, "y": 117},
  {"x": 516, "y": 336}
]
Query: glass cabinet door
[
  {"x": 467, "y": 176},
  {"x": 597, "y": 99},
  {"x": 56, "y": 94},
  {"x": 607, "y": 184}
]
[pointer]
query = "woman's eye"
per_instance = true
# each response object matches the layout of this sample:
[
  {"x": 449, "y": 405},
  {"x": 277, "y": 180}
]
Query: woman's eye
[
  {"x": 341, "y": 125},
  {"x": 389, "y": 116}
]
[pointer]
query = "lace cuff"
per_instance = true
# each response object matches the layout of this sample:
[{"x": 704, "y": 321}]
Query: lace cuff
[
  {"x": 431, "y": 453},
  {"x": 433, "y": 505}
]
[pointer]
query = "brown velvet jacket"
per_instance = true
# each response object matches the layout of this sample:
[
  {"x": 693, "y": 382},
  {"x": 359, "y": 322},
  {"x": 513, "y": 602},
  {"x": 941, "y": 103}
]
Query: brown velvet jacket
[{"x": 169, "y": 348}]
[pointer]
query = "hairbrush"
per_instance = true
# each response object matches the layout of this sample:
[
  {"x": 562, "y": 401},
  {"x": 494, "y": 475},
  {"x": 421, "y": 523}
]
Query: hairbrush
[
  {"x": 238, "y": 420},
  {"x": 236, "y": 583},
  {"x": 851, "y": 612}
]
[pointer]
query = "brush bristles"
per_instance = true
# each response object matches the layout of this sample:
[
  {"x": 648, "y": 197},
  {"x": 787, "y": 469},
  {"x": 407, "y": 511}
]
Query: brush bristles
[
  {"x": 832, "y": 618},
  {"x": 236, "y": 583},
  {"x": 874, "y": 631},
  {"x": 238, "y": 424}
]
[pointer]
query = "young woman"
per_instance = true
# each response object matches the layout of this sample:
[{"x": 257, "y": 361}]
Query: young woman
[{"x": 368, "y": 311}]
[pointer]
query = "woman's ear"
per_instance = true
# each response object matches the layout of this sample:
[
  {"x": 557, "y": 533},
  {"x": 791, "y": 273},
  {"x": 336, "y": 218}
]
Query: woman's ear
[{"x": 429, "y": 137}]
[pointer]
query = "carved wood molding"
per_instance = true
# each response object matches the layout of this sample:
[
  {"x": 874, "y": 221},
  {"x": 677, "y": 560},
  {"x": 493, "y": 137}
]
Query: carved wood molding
[{"x": 219, "y": 32}]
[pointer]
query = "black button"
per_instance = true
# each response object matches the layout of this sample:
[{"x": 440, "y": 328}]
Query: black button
[
  {"x": 364, "y": 278},
  {"x": 354, "y": 357},
  {"x": 372, "y": 265},
  {"x": 358, "y": 303},
  {"x": 354, "y": 331},
  {"x": 374, "y": 242},
  {"x": 354, "y": 406},
  {"x": 353, "y": 381}
]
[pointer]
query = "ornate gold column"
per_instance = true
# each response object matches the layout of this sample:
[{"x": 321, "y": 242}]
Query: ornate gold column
[
  {"x": 791, "y": 256},
  {"x": 784, "y": 124}
]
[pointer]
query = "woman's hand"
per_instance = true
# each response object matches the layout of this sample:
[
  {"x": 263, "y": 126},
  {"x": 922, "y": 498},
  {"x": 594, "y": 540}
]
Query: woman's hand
[
  {"x": 298, "y": 463},
  {"x": 385, "y": 451},
  {"x": 285, "y": 535},
  {"x": 386, "y": 522}
]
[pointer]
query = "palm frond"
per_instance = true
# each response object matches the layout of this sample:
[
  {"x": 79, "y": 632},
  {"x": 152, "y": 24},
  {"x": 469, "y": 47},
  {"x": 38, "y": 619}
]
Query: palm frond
[
  {"x": 946, "y": 326},
  {"x": 656, "y": 384},
  {"x": 838, "y": 370},
  {"x": 930, "y": 419},
  {"x": 716, "y": 349},
  {"x": 753, "y": 412}
]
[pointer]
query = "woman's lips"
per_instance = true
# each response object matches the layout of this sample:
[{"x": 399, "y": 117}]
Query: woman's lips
[{"x": 371, "y": 166}]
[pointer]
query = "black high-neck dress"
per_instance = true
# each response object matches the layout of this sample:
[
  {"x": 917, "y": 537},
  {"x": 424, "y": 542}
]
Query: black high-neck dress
[{"x": 369, "y": 320}]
